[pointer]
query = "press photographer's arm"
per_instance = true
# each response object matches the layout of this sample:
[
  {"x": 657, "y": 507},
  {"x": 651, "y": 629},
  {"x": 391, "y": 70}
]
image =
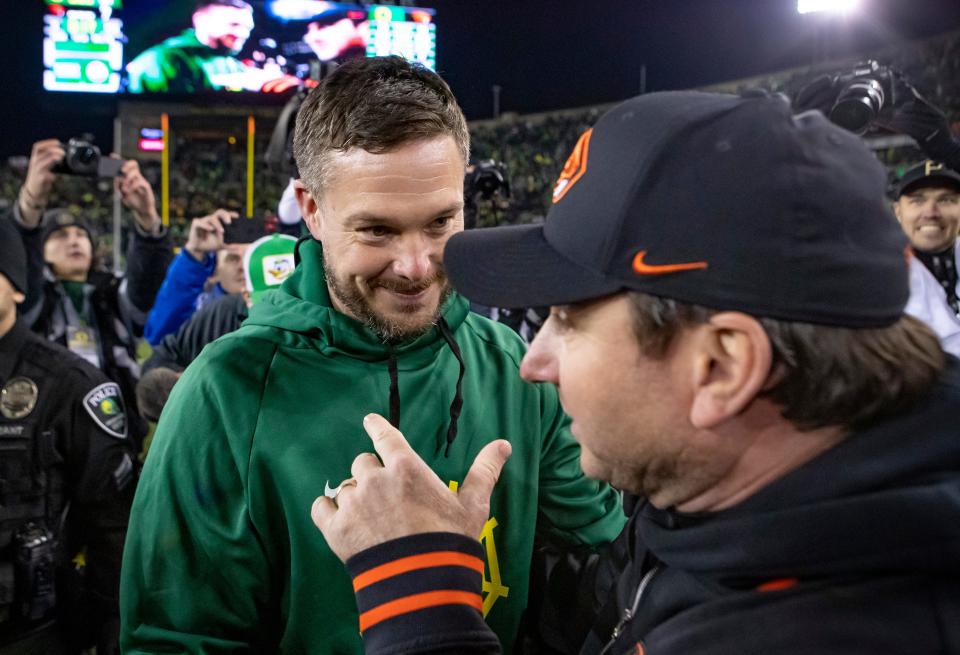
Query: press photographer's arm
[{"x": 874, "y": 95}]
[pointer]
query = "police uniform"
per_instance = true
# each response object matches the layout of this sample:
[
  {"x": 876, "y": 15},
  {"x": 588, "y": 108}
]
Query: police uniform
[{"x": 67, "y": 477}]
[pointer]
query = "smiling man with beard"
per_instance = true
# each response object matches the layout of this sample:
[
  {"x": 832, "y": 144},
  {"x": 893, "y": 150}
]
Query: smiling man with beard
[{"x": 222, "y": 556}]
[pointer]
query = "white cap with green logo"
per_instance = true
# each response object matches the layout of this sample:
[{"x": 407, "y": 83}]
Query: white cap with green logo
[{"x": 267, "y": 262}]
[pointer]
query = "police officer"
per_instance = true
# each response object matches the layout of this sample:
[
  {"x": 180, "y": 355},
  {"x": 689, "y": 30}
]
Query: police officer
[{"x": 67, "y": 478}]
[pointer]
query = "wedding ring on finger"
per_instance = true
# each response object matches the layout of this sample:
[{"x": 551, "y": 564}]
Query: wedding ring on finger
[{"x": 349, "y": 482}]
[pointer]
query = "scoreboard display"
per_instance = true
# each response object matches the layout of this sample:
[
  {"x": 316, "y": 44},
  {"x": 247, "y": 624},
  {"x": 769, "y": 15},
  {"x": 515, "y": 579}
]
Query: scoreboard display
[
  {"x": 406, "y": 31},
  {"x": 188, "y": 47},
  {"x": 82, "y": 46}
]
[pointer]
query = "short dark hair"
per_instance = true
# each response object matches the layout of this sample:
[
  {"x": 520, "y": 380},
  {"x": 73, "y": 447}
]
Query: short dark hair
[
  {"x": 821, "y": 375},
  {"x": 377, "y": 104}
]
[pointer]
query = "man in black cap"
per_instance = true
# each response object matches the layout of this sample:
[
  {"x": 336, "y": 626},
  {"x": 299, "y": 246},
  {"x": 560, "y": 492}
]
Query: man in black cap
[
  {"x": 96, "y": 315},
  {"x": 928, "y": 208},
  {"x": 67, "y": 478},
  {"x": 727, "y": 333}
]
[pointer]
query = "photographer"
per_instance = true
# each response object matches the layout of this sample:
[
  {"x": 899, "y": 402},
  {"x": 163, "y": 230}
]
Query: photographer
[
  {"x": 873, "y": 95},
  {"x": 93, "y": 313},
  {"x": 204, "y": 259}
]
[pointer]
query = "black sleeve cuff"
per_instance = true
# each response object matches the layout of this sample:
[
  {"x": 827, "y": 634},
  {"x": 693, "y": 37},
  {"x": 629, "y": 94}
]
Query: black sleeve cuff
[{"x": 422, "y": 594}]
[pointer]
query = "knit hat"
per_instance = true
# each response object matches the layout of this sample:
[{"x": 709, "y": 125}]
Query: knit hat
[
  {"x": 267, "y": 262},
  {"x": 13, "y": 258},
  {"x": 61, "y": 217}
]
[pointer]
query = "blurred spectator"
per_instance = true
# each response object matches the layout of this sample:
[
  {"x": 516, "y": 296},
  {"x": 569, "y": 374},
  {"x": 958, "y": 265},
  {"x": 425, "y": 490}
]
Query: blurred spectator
[
  {"x": 68, "y": 478},
  {"x": 205, "y": 260},
  {"x": 928, "y": 208},
  {"x": 219, "y": 317},
  {"x": 95, "y": 314}
]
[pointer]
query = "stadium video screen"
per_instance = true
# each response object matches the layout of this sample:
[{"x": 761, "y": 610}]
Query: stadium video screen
[{"x": 184, "y": 47}]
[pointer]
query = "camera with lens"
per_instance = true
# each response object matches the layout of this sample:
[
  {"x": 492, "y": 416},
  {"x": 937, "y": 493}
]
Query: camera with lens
[
  {"x": 864, "y": 92},
  {"x": 84, "y": 159},
  {"x": 35, "y": 563},
  {"x": 486, "y": 179}
]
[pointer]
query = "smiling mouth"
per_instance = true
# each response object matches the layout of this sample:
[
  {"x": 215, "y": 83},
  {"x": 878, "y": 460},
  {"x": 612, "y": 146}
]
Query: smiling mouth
[{"x": 413, "y": 295}]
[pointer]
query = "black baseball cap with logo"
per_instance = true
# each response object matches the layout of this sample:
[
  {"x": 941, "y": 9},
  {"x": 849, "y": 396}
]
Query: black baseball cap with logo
[
  {"x": 723, "y": 201},
  {"x": 925, "y": 174}
]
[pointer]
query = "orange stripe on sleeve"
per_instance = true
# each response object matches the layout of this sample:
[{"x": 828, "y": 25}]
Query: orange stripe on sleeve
[
  {"x": 414, "y": 562},
  {"x": 416, "y": 602}
]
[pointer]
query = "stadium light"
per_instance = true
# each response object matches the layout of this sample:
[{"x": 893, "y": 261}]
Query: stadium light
[{"x": 832, "y": 6}]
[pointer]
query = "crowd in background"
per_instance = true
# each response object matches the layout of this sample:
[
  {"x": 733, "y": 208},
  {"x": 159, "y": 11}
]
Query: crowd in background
[{"x": 210, "y": 172}]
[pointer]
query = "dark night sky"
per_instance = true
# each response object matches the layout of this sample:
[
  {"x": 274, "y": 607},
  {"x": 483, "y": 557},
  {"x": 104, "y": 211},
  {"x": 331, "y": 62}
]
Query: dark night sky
[{"x": 545, "y": 54}]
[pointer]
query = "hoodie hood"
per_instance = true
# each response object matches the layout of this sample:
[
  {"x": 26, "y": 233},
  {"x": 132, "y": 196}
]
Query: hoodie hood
[
  {"x": 302, "y": 309},
  {"x": 886, "y": 499},
  {"x": 302, "y": 305}
]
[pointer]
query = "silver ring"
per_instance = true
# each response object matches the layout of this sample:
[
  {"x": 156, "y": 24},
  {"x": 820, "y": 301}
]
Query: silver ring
[{"x": 349, "y": 482}]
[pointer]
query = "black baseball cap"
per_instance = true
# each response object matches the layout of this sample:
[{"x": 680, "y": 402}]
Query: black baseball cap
[
  {"x": 13, "y": 258},
  {"x": 56, "y": 219},
  {"x": 928, "y": 173},
  {"x": 718, "y": 200}
]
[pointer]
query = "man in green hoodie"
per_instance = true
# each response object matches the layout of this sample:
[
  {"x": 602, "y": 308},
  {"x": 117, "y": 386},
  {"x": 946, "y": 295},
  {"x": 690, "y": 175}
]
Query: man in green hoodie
[
  {"x": 222, "y": 555},
  {"x": 203, "y": 57}
]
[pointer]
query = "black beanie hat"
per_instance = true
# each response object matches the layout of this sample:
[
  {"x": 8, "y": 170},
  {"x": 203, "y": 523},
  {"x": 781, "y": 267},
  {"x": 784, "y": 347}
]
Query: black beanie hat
[
  {"x": 13, "y": 258},
  {"x": 55, "y": 219}
]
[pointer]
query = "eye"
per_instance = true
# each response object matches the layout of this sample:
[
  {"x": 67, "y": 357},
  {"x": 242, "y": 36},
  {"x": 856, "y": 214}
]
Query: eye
[
  {"x": 561, "y": 320},
  {"x": 376, "y": 231},
  {"x": 441, "y": 222}
]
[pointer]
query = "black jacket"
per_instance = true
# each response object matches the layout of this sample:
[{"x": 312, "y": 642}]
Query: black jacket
[
  {"x": 119, "y": 305},
  {"x": 857, "y": 551},
  {"x": 67, "y": 465},
  {"x": 176, "y": 351}
]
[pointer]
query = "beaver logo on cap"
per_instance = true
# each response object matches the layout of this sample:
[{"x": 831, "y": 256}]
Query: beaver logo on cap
[{"x": 575, "y": 167}]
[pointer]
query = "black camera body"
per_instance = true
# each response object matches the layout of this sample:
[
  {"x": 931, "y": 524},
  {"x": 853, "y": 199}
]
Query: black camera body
[
  {"x": 864, "y": 92},
  {"x": 486, "y": 179},
  {"x": 84, "y": 159},
  {"x": 35, "y": 567}
]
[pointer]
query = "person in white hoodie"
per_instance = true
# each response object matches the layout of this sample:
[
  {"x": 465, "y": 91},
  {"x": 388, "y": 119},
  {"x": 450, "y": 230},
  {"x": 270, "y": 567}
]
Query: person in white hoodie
[{"x": 928, "y": 208}]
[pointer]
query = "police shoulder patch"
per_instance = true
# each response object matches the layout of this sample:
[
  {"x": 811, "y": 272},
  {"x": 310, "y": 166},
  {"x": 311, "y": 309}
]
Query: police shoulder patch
[{"x": 104, "y": 404}]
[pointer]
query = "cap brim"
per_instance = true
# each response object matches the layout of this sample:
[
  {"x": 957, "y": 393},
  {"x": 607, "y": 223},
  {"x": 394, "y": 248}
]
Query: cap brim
[
  {"x": 515, "y": 266},
  {"x": 930, "y": 180}
]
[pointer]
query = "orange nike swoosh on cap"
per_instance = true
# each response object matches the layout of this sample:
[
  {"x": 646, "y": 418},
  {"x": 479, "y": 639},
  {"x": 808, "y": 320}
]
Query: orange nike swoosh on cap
[{"x": 643, "y": 268}]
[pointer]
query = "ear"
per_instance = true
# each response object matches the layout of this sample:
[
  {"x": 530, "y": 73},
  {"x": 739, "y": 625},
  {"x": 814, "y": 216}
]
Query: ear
[
  {"x": 896, "y": 211},
  {"x": 18, "y": 297},
  {"x": 732, "y": 362},
  {"x": 309, "y": 208}
]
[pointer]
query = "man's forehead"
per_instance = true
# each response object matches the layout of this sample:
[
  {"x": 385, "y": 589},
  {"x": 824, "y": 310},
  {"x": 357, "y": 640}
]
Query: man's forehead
[
  {"x": 426, "y": 175},
  {"x": 924, "y": 187},
  {"x": 66, "y": 229}
]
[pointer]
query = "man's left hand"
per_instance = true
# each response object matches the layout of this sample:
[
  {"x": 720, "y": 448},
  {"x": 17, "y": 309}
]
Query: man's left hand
[
  {"x": 403, "y": 496},
  {"x": 138, "y": 197}
]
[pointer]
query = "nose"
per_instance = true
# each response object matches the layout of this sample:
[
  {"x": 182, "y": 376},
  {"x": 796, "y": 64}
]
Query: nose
[
  {"x": 540, "y": 363},
  {"x": 931, "y": 208},
  {"x": 416, "y": 259},
  {"x": 75, "y": 235}
]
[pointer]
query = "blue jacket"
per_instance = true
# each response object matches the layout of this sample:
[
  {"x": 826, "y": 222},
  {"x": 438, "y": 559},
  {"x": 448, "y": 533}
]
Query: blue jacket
[{"x": 177, "y": 299}]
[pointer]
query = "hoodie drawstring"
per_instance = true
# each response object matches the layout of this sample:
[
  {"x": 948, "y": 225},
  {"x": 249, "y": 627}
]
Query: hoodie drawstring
[
  {"x": 394, "y": 390},
  {"x": 457, "y": 403},
  {"x": 455, "y": 407}
]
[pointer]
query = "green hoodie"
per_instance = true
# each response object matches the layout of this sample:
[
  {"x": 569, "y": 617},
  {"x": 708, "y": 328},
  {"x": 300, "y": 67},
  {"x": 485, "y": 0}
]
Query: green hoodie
[
  {"x": 221, "y": 554},
  {"x": 182, "y": 64}
]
